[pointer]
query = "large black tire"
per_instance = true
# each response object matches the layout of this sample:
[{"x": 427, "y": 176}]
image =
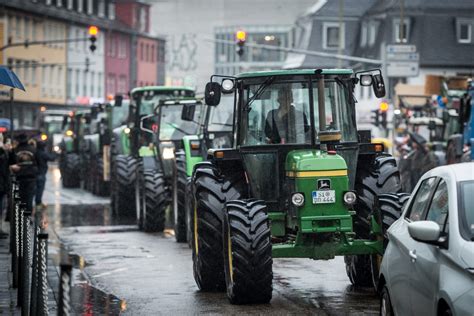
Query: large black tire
[
  {"x": 189, "y": 211},
  {"x": 211, "y": 191},
  {"x": 386, "y": 308},
  {"x": 391, "y": 207},
  {"x": 123, "y": 185},
  {"x": 247, "y": 252},
  {"x": 373, "y": 178},
  {"x": 101, "y": 187},
  {"x": 180, "y": 226},
  {"x": 156, "y": 198},
  {"x": 71, "y": 170}
]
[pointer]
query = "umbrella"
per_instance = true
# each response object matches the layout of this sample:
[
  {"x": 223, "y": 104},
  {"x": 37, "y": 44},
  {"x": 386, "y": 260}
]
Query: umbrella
[{"x": 8, "y": 78}]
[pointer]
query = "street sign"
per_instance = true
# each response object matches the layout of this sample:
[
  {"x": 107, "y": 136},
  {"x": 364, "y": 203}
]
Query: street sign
[
  {"x": 403, "y": 57},
  {"x": 401, "y": 48},
  {"x": 402, "y": 69}
]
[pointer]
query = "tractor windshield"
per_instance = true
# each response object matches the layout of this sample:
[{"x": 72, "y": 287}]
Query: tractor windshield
[
  {"x": 120, "y": 114},
  {"x": 172, "y": 127},
  {"x": 279, "y": 112}
]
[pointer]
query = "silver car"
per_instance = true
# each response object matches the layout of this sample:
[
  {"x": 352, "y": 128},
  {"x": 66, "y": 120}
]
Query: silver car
[{"x": 428, "y": 266}]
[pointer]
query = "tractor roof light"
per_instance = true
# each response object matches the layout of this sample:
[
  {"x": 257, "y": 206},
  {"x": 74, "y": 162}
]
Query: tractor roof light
[
  {"x": 126, "y": 130},
  {"x": 350, "y": 198},
  {"x": 297, "y": 199}
]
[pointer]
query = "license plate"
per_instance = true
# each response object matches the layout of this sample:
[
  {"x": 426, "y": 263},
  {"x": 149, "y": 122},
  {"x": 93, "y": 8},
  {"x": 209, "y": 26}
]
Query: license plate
[{"x": 324, "y": 196}]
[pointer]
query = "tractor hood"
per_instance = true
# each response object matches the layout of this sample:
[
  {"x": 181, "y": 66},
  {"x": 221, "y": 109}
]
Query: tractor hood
[{"x": 313, "y": 160}]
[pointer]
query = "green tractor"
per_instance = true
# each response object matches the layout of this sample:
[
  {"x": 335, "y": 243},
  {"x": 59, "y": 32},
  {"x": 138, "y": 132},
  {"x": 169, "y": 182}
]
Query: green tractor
[
  {"x": 72, "y": 148},
  {"x": 215, "y": 131},
  {"x": 134, "y": 157},
  {"x": 105, "y": 119},
  {"x": 299, "y": 182}
]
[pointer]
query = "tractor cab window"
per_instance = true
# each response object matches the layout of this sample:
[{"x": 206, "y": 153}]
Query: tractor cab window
[
  {"x": 339, "y": 115},
  {"x": 172, "y": 127},
  {"x": 120, "y": 114},
  {"x": 275, "y": 114},
  {"x": 221, "y": 116},
  {"x": 150, "y": 99}
]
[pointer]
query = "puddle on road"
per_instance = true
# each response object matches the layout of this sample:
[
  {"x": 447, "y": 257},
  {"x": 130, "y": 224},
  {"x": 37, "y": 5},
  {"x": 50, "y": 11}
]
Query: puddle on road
[
  {"x": 85, "y": 215},
  {"x": 89, "y": 300}
]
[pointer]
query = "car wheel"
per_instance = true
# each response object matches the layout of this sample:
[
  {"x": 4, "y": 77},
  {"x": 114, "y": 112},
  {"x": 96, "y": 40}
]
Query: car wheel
[
  {"x": 446, "y": 312},
  {"x": 385, "y": 303}
]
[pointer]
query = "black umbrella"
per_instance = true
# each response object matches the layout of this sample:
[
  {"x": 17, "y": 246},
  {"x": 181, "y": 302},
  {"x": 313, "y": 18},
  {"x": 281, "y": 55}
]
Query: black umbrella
[{"x": 8, "y": 78}]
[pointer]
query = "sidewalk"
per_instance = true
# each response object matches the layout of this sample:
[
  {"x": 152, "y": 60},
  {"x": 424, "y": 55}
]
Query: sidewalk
[{"x": 8, "y": 295}]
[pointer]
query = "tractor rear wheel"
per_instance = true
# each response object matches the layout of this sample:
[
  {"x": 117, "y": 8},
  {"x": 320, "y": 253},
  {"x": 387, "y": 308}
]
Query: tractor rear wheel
[
  {"x": 211, "y": 191},
  {"x": 180, "y": 214},
  {"x": 247, "y": 252},
  {"x": 123, "y": 185},
  {"x": 373, "y": 178},
  {"x": 155, "y": 201},
  {"x": 70, "y": 171},
  {"x": 101, "y": 187}
]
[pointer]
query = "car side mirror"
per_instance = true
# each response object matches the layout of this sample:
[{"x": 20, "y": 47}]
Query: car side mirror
[
  {"x": 187, "y": 113},
  {"x": 118, "y": 100},
  {"x": 425, "y": 231},
  {"x": 378, "y": 85},
  {"x": 212, "y": 93}
]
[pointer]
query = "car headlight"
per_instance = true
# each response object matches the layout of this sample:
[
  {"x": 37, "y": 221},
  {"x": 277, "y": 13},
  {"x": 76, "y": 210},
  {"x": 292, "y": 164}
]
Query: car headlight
[
  {"x": 350, "y": 198},
  {"x": 168, "y": 153},
  {"x": 297, "y": 199}
]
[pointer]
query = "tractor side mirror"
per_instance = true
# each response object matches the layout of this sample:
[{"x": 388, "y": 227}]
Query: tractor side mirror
[
  {"x": 118, "y": 100},
  {"x": 87, "y": 118},
  {"x": 65, "y": 118},
  {"x": 212, "y": 93},
  {"x": 148, "y": 121},
  {"x": 378, "y": 85},
  {"x": 187, "y": 114}
]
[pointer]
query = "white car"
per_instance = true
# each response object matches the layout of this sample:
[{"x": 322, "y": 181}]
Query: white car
[{"x": 428, "y": 266}]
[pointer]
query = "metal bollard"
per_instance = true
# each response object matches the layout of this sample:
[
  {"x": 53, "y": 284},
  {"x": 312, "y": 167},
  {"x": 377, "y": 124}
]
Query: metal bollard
[
  {"x": 34, "y": 269},
  {"x": 25, "y": 263},
  {"x": 65, "y": 286},
  {"x": 42, "y": 293},
  {"x": 14, "y": 235},
  {"x": 20, "y": 255},
  {"x": 13, "y": 196}
]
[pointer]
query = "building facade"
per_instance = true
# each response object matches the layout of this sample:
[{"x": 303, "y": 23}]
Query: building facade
[{"x": 68, "y": 74}]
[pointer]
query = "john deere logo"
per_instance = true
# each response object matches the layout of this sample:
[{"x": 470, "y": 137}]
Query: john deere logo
[{"x": 324, "y": 184}]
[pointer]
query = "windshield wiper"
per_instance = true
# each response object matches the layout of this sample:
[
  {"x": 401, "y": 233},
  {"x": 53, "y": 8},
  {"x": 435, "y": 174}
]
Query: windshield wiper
[{"x": 260, "y": 90}]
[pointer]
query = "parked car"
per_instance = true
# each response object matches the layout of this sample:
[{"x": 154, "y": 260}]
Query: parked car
[{"x": 428, "y": 266}]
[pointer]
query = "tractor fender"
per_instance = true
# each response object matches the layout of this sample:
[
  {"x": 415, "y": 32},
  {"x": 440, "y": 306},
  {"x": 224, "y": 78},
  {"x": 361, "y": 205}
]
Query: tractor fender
[{"x": 192, "y": 157}]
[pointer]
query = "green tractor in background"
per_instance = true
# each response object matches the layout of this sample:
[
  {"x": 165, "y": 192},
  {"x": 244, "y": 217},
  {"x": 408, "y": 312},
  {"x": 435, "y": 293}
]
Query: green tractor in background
[
  {"x": 51, "y": 128},
  {"x": 299, "y": 182},
  {"x": 215, "y": 131},
  {"x": 106, "y": 119},
  {"x": 73, "y": 147},
  {"x": 133, "y": 153}
]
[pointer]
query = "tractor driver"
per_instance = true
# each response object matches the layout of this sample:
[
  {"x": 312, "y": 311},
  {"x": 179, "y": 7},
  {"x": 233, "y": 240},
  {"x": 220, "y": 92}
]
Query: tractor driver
[{"x": 285, "y": 124}]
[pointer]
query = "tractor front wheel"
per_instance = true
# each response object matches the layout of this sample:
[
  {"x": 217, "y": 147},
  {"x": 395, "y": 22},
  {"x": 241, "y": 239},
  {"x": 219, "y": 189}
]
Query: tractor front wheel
[
  {"x": 70, "y": 171},
  {"x": 211, "y": 191},
  {"x": 374, "y": 177},
  {"x": 247, "y": 252},
  {"x": 155, "y": 201},
  {"x": 180, "y": 214}
]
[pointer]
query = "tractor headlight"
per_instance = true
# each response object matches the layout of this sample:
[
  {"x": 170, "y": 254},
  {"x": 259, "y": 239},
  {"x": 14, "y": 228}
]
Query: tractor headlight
[
  {"x": 297, "y": 199},
  {"x": 168, "y": 153},
  {"x": 350, "y": 198}
]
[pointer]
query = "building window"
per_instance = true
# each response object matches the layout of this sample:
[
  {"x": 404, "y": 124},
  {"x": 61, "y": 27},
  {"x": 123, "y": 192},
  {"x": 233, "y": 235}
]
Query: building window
[
  {"x": 401, "y": 30},
  {"x": 59, "y": 3},
  {"x": 33, "y": 73},
  {"x": 18, "y": 26},
  {"x": 92, "y": 91},
  {"x": 26, "y": 72},
  {"x": 90, "y": 7},
  {"x": 48, "y": 2},
  {"x": 84, "y": 83},
  {"x": 122, "y": 85},
  {"x": 141, "y": 51},
  {"x": 152, "y": 54},
  {"x": 100, "y": 84},
  {"x": 69, "y": 83},
  {"x": 77, "y": 82},
  {"x": 101, "y": 11},
  {"x": 80, "y": 5},
  {"x": 373, "y": 28},
  {"x": 363, "y": 34},
  {"x": 112, "y": 11},
  {"x": 464, "y": 31},
  {"x": 59, "y": 82},
  {"x": 70, "y": 4},
  {"x": 333, "y": 36},
  {"x": 147, "y": 52}
]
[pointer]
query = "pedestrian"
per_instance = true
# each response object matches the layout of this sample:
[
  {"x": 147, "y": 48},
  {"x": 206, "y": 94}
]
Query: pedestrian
[
  {"x": 24, "y": 163},
  {"x": 43, "y": 158},
  {"x": 4, "y": 177}
]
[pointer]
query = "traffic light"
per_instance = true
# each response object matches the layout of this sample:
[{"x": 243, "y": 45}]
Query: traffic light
[
  {"x": 93, "y": 31},
  {"x": 241, "y": 37},
  {"x": 383, "y": 113},
  {"x": 376, "y": 117}
]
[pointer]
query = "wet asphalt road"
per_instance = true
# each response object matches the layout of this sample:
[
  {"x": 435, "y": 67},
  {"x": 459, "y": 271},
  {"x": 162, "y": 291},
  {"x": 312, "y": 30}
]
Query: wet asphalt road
[{"x": 120, "y": 270}]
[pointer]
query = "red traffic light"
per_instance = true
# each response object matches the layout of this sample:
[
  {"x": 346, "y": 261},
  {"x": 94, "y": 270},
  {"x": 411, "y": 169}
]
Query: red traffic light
[
  {"x": 93, "y": 30},
  {"x": 241, "y": 36}
]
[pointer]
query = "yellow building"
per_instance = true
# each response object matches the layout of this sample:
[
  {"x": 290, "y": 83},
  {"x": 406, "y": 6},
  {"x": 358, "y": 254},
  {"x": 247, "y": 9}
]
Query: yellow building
[{"x": 41, "y": 68}]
